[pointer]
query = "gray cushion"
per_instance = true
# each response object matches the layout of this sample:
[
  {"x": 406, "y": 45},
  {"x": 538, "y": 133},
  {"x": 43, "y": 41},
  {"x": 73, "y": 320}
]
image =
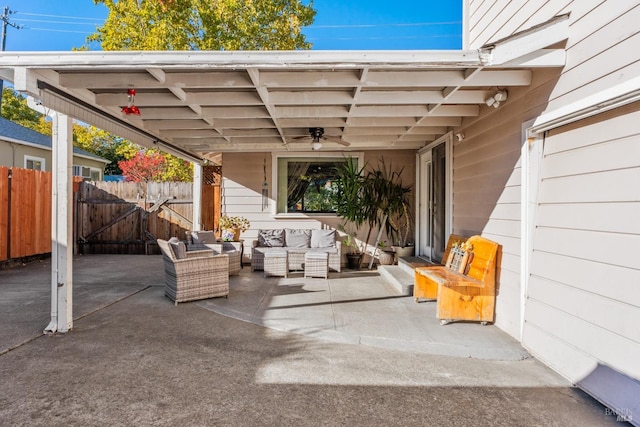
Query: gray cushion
[
  {"x": 296, "y": 238},
  {"x": 178, "y": 247},
  {"x": 271, "y": 238},
  {"x": 203, "y": 237},
  {"x": 323, "y": 238}
]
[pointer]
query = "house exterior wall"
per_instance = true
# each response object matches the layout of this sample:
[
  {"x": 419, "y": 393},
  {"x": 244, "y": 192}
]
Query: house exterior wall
[
  {"x": 583, "y": 299},
  {"x": 242, "y": 191},
  {"x": 582, "y": 306},
  {"x": 13, "y": 154}
]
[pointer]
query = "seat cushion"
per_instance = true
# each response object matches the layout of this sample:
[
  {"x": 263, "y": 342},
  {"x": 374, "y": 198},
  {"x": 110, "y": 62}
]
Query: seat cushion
[
  {"x": 297, "y": 238},
  {"x": 271, "y": 238},
  {"x": 323, "y": 238}
]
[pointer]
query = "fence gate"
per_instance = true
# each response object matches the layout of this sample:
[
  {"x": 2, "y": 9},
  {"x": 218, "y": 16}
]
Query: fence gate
[{"x": 127, "y": 217}]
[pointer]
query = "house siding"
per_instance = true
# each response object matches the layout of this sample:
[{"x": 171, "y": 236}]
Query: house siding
[
  {"x": 582, "y": 299},
  {"x": 12, "y": 155},
  {"x": 583, "y": 291}
]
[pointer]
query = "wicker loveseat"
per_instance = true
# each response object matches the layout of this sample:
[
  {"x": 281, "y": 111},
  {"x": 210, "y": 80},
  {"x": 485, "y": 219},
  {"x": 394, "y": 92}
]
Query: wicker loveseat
[
  {"x": 193, "y": 275},
  {"x": 296, "y": 242}
]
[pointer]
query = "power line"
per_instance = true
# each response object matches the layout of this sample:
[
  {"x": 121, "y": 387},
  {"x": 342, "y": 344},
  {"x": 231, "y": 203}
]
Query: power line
[
  {"x": 410, "y": 24},
  {"x": 60, "y": 16},
  {"x": 56, "y": 22},
  {"x": 58, "y": 31}
]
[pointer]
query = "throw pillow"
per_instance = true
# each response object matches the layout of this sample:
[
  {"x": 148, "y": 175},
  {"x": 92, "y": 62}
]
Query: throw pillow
[
  {"x": 323, "y": 238},
  {"x": 271, "y": 238},
  {"x": 296, "y": 238},
  {"x": 178, "y": 247},
  {"x": 203, "y": 237}
]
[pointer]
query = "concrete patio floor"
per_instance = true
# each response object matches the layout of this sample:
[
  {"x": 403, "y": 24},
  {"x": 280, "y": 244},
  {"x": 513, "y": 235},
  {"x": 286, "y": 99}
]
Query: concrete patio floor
[{"x": 343, "y": 351}]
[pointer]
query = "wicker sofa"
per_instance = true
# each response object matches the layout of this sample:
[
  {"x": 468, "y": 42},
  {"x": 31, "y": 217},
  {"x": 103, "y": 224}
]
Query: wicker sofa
[
  {"x": 296, "y": 242},
  {"x": 193, "y": 275}
]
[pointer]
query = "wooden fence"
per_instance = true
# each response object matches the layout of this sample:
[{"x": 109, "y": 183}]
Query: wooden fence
[
  {"x": 109, "y": 217},
  {"x": 25, "y": 212}
]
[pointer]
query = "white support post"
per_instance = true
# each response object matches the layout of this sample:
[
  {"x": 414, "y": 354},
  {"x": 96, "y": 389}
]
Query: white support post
[
  {"x": 197, "y": 197},
  {"x": 61, "y": 226}
]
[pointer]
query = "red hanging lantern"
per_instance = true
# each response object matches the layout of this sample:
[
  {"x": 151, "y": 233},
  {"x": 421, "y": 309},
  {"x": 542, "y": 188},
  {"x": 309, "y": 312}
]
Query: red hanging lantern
[{"x": 131, "y": 108}]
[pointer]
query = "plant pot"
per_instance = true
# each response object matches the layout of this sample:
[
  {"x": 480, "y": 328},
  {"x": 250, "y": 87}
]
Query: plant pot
[
  {"x": 386, "y": 258},
  {"x": 403, "y": 251},
  {"x": 231, "y": 234},
  {"x": 353, "y": 261}
]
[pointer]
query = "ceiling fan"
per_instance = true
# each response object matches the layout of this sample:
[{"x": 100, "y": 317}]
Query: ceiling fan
[{"x": 317, "y": 134}]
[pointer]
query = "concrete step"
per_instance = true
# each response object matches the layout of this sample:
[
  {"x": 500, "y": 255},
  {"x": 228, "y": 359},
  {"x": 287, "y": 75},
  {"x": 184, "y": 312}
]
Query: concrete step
[{"x": 398, "y": 278}]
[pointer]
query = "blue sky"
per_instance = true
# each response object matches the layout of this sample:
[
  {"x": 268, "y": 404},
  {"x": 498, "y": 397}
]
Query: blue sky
[{"x": 51, "y": 25}]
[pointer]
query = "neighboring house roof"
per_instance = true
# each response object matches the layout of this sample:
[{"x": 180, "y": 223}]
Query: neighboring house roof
[{"x": 22, "y": 135}]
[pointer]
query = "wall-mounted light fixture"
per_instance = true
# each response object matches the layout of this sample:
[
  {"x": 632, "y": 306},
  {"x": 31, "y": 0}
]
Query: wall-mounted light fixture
[
  {"x": 460, "y": 136},
  {"x": 496, "y": 99}
]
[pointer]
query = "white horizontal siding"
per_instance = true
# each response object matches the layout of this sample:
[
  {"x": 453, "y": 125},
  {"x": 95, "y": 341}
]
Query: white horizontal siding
[
  {"x": 593, "y": 277},
  {"x": 597, "y": 342},
  {"x": 569, "y": 361},
  {"x": 599, "y": 217},
  {"x": 583, "y": 292}
]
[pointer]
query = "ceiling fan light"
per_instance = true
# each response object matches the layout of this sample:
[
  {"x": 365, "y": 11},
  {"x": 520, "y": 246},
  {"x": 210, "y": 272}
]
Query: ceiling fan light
[{"x": 316, "y": 145}]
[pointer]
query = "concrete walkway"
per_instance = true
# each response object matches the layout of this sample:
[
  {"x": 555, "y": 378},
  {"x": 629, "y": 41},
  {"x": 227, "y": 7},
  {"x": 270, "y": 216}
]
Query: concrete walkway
[{"x": 133, "y": 358}]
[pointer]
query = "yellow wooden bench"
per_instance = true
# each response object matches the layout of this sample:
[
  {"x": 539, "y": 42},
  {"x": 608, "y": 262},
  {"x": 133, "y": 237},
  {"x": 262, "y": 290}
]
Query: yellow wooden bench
[
  {"x": 426, "y": 289},
  {"x": 468, "y": 295}
]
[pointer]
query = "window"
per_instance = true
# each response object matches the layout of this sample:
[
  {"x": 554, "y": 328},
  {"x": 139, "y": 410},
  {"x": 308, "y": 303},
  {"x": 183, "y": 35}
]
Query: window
[
  {"x": 305, "y": 183},
  {"x": 89, "y": 174},
  {"x": 36, "y": 163}
]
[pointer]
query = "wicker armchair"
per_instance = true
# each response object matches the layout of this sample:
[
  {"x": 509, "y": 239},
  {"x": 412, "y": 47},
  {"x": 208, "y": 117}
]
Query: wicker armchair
[{"x": 193, "y": 275}]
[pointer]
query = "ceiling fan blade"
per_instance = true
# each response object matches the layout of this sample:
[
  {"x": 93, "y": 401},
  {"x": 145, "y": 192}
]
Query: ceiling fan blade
[
  {"x": 337, "y": 140},
  {"x": 301, "y": 137}
]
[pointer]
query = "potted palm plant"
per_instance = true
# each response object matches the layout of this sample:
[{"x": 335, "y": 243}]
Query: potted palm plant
[
  {"x": 353, "y": 200},
  {"x": 394, "y": 203},
  {"x": 401, "y": 223},
  {"x": 370, "y": 197}
]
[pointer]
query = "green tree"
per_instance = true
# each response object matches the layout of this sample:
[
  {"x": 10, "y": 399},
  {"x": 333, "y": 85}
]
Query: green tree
[
  {"x": 15, "y": 109},
  {"x": 91, "y": 139},
  {"x": 204, "y": 25}
]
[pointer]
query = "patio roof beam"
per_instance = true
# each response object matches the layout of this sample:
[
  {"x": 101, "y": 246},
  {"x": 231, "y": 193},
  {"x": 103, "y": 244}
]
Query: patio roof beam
[{"x": 46, "y": 87}]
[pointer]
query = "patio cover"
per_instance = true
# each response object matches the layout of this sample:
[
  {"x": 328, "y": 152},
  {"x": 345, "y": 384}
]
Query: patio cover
[{"x": 198, "y": 104}]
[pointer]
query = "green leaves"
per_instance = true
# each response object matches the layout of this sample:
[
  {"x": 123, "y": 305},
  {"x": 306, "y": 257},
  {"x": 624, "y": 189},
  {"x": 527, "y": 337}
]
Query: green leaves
[{"x": 204, "y": 25}]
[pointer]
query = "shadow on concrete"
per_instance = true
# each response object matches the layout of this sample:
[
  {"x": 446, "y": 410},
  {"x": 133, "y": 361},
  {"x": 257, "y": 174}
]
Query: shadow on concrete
[{"x": 140, "y": 360}]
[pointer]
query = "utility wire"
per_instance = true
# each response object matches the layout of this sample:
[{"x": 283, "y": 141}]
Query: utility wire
[{"x": 60, "y": 16}]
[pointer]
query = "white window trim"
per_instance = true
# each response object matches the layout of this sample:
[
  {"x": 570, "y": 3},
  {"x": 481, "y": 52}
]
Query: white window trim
[
  {"x": 35, "y": 159},
  {"x": 274, "y": 178},
  {"x": 91, "y": 170}
]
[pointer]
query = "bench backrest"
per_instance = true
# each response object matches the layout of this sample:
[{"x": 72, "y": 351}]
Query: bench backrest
[
  {"x": 453, "y": 238},
  {"x": 483, "y": 263}
]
